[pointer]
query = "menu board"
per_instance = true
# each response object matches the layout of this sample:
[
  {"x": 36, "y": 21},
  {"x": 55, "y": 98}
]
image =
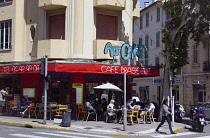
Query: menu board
[
  {"x": 79, "y": 92},
  {"x": 31, "y": 92}
]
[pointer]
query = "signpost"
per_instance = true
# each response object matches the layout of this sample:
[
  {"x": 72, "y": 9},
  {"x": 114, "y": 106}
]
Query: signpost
[
  {"x": 124, "y": 111},
  {"x": 44, "y": 73}
]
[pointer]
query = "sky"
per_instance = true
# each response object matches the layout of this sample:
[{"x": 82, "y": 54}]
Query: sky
[{"x": 142, "y": 2}]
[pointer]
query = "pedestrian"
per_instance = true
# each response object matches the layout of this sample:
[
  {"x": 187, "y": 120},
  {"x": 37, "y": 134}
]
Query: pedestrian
[
  {"x": 2, "y": 98},
  {"x": 165, "y": 116}
]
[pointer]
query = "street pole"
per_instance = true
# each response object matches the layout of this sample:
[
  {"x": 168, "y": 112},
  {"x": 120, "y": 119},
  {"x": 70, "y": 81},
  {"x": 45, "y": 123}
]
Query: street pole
[
  {"x": 124, "y": 111},
  {"x": 171, "y": 98},
  {"x": 45, "y": 90}
]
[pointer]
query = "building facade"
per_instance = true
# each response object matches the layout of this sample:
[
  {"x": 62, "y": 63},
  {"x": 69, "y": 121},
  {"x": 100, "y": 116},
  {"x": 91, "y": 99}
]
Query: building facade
[
  {"x": 191, "y": 84},
  {"x": 73, "y": 34}
]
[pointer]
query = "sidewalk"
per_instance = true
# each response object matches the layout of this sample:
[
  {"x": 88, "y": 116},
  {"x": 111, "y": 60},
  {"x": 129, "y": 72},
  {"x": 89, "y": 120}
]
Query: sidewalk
[{"x": 99, "y": 127}]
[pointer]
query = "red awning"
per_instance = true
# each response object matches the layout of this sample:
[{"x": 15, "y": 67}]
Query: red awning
[{"x": 81, "y": 68}]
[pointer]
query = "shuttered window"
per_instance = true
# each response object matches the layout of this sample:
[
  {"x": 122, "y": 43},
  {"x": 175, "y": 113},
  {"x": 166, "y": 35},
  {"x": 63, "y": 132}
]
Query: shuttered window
[
  {"x": 57, "y": 27},
  {"x": 106, "y": 27}
]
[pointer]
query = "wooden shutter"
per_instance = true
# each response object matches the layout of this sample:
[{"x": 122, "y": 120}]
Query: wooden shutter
[
  {"x": 106, "y": 27},
  {"x": 57, "y": 27}
]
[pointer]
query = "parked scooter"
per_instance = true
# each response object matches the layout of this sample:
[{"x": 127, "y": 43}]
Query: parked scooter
[
  {"x": 197, "y": 117},
  {"x": 178, "y": 113}
]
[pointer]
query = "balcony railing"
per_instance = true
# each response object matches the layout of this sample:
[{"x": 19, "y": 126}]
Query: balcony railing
[{"x": 206, "y": 66}]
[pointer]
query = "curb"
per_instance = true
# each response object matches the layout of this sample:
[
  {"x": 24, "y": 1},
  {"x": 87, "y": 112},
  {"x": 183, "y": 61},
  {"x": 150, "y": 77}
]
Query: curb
[{"x": 36, "y": 126}]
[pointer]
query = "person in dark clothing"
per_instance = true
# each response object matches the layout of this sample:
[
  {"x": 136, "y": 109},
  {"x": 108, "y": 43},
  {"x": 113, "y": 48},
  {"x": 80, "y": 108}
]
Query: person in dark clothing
[
  {"x": 165, "y": 116},
  {"x": 24, "y": 105}
]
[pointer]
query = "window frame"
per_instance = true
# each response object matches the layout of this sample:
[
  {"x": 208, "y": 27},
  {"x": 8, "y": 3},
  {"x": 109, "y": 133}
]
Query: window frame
[
  {"x": 147, "y": 19},
  {"x": 158, "y": 14},
  {"x": 5, "y": 41},
  {"x": 141, "y": 22},
  {"x": 195, "y": 54},
  {"x": 158, "y": 39}
]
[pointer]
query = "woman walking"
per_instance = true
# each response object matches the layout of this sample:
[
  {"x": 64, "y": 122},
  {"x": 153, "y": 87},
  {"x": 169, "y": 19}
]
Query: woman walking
[{"x": 165, "y": 116}]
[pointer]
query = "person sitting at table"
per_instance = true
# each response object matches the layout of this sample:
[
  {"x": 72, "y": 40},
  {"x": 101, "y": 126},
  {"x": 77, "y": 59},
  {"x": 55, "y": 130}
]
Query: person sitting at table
[
  {"x": 24, "y": 105},
  {"x": 134, "y": 102},
  {"x": 148, "y": 107},
  {"x": 88, "y": 105},
  {"x": 129, "y": 105}
]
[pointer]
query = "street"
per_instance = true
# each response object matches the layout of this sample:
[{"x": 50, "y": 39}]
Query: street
[
  {"x": 7, "y": 131},
  {"x": 22, "y": 132}
]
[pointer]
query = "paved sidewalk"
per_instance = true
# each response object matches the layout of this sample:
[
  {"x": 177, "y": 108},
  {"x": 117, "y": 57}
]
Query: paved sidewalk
[{"x": 99, "y": 127}]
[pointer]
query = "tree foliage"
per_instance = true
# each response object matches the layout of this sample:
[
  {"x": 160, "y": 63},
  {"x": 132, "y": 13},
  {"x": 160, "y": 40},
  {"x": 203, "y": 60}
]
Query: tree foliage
[{"x": 189, "y": 20}]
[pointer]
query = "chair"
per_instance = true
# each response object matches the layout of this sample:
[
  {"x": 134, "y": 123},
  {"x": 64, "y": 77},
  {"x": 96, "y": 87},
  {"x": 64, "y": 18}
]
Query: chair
[
  {"x": 150, "y": 115},
  {"x": 14, "y": 107},
  {"x": 81, "y": 110},
  {"x": 133, "y": 114},
  {"x": 111, "y": 114},
  {"x": 33, "y": 110},
  {"x": 90, "y": 112}
]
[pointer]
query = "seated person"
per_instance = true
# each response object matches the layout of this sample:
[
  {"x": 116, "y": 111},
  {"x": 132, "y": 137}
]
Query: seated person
[
  {"x": 88, "y": 105},
  {"x": 24, "y": 105},
  {"x": 148, "y": 107},
  {"x": 111, "y": 108},
  {"x": 129, "y": 105}
]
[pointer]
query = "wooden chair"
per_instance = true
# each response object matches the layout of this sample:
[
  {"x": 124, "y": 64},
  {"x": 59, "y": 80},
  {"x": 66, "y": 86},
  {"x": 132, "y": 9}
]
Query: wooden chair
[
  {"x": 150, "y": 115},
  {"x": 14, "y": 107},
  {"x": 60, "y": 108},
  {"x": 34, "y": 110},
  {"x": 81, "y": 110}
]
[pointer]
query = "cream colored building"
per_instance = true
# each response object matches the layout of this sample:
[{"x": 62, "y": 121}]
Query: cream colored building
[
  {"x": 64, "y": 29},
  {"x": 191, "y": 86},
  {"x": 73, "y": 33}
]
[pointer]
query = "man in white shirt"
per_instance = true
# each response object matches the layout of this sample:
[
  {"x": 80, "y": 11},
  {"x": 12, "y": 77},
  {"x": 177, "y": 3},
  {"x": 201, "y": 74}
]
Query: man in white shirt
[{"x": 2, "y": 98}]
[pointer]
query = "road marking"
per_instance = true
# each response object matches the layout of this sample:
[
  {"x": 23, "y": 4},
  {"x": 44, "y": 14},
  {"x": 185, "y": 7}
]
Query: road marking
[
  {"x": 83, "y": 134},
  {"x": 52, "y": 134},
  {"x": 203, "y": 137},
  {"x": 175, "y": 135},
  {"x": 27, "y": 136}
]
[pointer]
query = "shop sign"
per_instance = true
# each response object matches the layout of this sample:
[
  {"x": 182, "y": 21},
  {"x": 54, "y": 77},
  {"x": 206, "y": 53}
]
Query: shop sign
[
  {"x": 126, "y": 51},
  {"x": 157, "y": 82},
  {"x": 91, "y": 84},
  {"x": 134, "y": 70},
  {"x": 28, "y": 68}
]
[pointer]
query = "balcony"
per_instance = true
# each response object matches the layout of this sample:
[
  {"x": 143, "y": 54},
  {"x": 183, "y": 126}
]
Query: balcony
[
  {"x": 55, "y": 48},
  {"x": 136, "y": 9},
  {"x": 52, "y": 4},
  {"x": 98, "y": 49},
  {"x": 117, "y": 5}
]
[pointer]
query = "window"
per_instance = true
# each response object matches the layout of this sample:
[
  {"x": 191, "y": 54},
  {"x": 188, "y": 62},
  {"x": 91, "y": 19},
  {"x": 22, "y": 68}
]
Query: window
[
  {"x": 106, "y": 27},
  {"x": 157, "y": 61},
  {"x": 157, "y": 39},
  {"x": 5, "y": 35},
  {"x": 140, "y": 41},
  {"x": 5, "y": 1},
  {"x": 147, "y": 19},
  {"x": 141, "y": 22},
  {"x": 168, "y": 15},
  {"x": 158, "y": 14},
  {"x": 57, "y": 27},
  {"x": 147, "y": 40},
  {"x": 195, "y": 54}
]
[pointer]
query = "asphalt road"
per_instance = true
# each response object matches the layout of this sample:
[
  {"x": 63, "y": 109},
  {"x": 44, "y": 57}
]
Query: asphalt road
[{"x": 22, "y": 132}]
